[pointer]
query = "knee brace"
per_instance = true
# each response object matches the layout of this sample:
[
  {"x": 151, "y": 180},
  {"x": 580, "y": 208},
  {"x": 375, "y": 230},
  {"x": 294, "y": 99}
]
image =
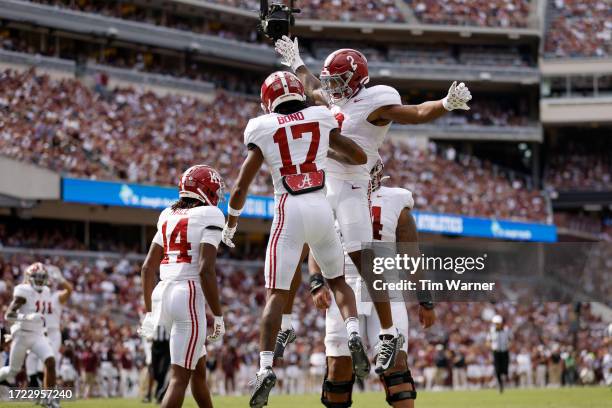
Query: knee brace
[
  {"x": 397, "y": 378},
  {"x": 337, "y": 387}
]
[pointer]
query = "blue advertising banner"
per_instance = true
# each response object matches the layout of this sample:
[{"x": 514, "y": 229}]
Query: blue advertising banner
[
  {"x": 484, "y": 227},
  {"x": 157, "y": 198},
  {"x": 143, "y": 196}
]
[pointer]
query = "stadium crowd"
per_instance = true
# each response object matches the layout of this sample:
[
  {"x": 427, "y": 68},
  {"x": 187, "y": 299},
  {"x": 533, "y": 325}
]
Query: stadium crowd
[
  {"x": 575, "y": 165},
  {"x": 553, "y": 344},
  {"x": 487, "y": 13},
  {"x": 579, "y": 28},
  {"x": 67, "y": 127}
]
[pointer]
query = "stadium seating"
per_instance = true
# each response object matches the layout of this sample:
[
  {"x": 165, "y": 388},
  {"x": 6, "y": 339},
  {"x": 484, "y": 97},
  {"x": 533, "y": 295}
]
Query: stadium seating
[
  {"x": 487, "y": 13},
  {"x": 579, "y": 28},
  {"x": 99, "y": 134}
]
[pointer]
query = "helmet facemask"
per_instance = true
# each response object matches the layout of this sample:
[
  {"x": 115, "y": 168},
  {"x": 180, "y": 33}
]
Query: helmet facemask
[{"x": 336, "y": 87}]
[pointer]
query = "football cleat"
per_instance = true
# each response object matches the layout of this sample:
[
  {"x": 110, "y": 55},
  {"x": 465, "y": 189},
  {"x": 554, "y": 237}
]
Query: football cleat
[
  {"x": 361, "y": 363},
  {"x": 387, "y": 348},
  {"x": 264, "y": 382},
  {"x": 283, "y": 339}
]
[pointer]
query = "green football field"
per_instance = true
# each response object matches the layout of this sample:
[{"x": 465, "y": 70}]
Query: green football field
[{"x": 541, "y": 398}]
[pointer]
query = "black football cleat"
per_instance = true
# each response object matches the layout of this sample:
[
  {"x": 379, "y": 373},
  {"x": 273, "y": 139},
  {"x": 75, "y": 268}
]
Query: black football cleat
[
  {"x": 388, "y": 347},
  {"x": 284, "y": 338},
  {"x": 361, "y": 363},
  {"x": 264, "y": 382}
]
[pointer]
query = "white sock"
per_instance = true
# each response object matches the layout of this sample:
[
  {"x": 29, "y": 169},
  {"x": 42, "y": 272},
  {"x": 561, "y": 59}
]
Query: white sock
[
  {"x": 286, "y": 322},
  {"x": 391, "y": 330},
  {"x": 352, "y": 325},
  {"x": 266, "y": 358}
]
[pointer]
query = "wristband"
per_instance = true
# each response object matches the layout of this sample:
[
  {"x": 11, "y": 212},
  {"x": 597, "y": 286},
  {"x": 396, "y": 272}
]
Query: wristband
[
  {"x": 316, "y": 282},
  {"x": 445, "y": 104},
  {"x": 233, "y": 212}
]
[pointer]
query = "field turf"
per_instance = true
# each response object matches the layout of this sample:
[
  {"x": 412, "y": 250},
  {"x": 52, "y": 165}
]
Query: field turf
[{"x": 595, "y": 397}]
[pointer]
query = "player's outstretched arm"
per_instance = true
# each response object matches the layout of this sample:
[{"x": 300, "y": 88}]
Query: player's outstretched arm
[
  {"x": 238, "y": 195},
  {"x": 247, "y": 173},
  {"x": 65, "y": 286},
  {"x": 457, "y": 98},
  {"x": 148, "y": 272},
  {"x": 290, "y": 56},
  {"x": 405, "y": 233},
  {"x": 346, "y": 150}
]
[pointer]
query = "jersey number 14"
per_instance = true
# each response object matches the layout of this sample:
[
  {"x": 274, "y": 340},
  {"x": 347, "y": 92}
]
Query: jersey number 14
[{"x": 177, "y": 241}]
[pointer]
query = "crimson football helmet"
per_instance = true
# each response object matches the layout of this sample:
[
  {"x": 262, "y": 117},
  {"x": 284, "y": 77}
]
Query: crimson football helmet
[
  {"x": 203, "y": 183},
  {"x": 279, "y": 87},
  {"x": 37, "y": 276},
  {"x": 344, "y": 73}
]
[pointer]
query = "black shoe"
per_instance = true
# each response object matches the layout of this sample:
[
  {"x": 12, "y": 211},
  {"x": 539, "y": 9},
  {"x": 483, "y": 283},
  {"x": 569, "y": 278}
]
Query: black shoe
[
  {"x": 361, "y": 363},
  {"x": 387, "y": 350},
  {"x": 264, "y": 382},
  {"x": 283, "y": 338}
]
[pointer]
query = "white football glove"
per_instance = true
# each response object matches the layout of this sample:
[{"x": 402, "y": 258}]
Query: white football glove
[
  {"x": 289, "y": 52},
  {"x": 457, "y": 98},
  {"x": 218, "y": 330},
  {"x": 147, "y": 329},
  {"x": 228, "y": 234},
  {"x": 55, "y": 273}
]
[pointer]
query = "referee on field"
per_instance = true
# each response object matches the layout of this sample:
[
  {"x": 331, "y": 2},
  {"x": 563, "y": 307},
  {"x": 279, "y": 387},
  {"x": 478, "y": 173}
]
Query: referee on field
[
  {"x": 499, "y": 340},
  {"x": 160, "y": 361}
]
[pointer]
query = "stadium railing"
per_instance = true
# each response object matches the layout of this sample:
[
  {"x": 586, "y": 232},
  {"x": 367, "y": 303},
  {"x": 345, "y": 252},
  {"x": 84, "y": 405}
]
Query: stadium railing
[
  {"x": 532, "y": 133},
  {"x": 523, "y": 75},
  {"x": 127, "y": 75}
]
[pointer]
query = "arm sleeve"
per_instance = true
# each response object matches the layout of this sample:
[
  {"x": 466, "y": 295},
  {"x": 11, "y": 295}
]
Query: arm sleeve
[
  {"x": 406, "y": 199},
  {"x": 385, "y": 96},
  {"x": 158, "y": 239},
  {"x": 21, "y": 291},
  {"x": 212, "y": 227},
  {"x": 250, "y": 134}
]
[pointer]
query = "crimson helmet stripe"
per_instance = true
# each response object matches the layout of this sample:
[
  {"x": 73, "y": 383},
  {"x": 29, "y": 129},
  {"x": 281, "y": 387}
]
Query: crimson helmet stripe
[
  {"x": 279, "y": 87},
  {"x": 284, "y": 82}
]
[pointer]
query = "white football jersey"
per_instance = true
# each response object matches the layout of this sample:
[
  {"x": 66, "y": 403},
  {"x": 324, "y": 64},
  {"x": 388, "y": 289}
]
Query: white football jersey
[
  {"x": 52, "y": 319},
  {"x": 292, "y": 144},
  {"x": 354, "y": 117},
  {"x": 180, "y": 233},
  {"x": 387, "y": 204},
  {"x": 36, "y": 302}
]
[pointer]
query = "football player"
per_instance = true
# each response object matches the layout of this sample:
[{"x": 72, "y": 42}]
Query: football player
[
  {"x": 28, "y": 310},
  {"x": 392, "y": 222},
  {"x": 184, "y": 251},
  {"x": 365, "y": 114},
  {"x": 294, "y": 140},
  {"x": 52, "y": 315}
]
